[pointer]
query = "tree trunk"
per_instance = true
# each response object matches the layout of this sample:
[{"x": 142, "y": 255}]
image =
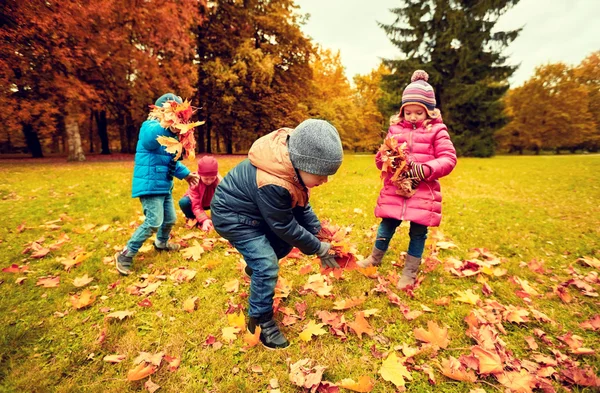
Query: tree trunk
[
  {"x": 208, "y": 125},
  {"x": 101, "y": 123},
  {"x": 91, "y": 131},
  {"x": 132, "y": 134},
  {"x": 200, "y": 143},
  {"x": 32, "y": 140},
  {"x": 73, "y": 139},
  {"x": 228, "y": 145},
  {"x": 122, "y": 136}
]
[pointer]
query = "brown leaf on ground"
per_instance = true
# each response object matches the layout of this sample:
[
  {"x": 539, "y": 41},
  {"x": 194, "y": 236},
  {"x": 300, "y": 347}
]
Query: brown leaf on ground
[
  {"x": 489, "y": 361},
  {"x": 119, "y": 314},
  {"x": 182, "y": 274},
  {"x": 305, "y": 375},
  {"x": 48, "y": 282},
  {"x": 150, "y": 386},
  {"x": 114, "y": 358},
  {"x": 348, "y": 303},
  {"x": 82, "y": 281},
  {"x": 434, "y": 335},
  {"x": 517, "y": 381},
  {"x": 360, "y": 325},
  {"x": 453, "y": 369},
  {"x": 591, "y": 324},
  {"x": 531, "y": 342},
  {"x": 581, "y": 377}
]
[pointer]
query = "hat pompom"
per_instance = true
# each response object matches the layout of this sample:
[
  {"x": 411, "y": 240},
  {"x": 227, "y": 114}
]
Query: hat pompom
[{"x": 419, "y": 75}]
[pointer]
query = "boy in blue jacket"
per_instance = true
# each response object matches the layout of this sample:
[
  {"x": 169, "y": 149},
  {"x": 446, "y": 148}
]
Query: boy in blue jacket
[
  {"x": 262, "y": 208},
  {"x": 153, "y": 183}
]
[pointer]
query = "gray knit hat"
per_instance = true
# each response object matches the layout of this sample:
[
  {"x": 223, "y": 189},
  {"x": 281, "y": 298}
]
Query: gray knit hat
[{"x": 315, "y": 147}]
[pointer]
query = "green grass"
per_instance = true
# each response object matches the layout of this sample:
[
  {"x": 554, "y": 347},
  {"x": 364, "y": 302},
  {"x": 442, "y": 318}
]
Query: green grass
[{"x": 520, "y": 208}]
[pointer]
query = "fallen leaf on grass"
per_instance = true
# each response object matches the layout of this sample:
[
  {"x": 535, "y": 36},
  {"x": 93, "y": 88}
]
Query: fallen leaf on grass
[
  {"x": 453, "y": 369},
  {"x": 141, "y": 371},
  {"x": 15, "y": 269},
  {"x": 119, "y": 314},
  {"x": 193, "y": 252},
  {"x": 434, "y": 335},
  {"x": 189, "y": 304},
  {"x": 252, "y": 339},
  {"x": 364, "y": 384},
  {"x": 150, "y": 386},
  {"x": 360, "y": 325},
  {"x": 392, "y": 370},
  {"x": 305, "y": 375},
  {"x": 517, "y": 381},
  {"x": 173, "y": 362},
  {"x": 181, "y": 274},
  {"x": 348, "y": 303},
  {"x": 489, "y": 362},
  {"x": 468, "y": 297},
  {"x": 85, "y": 299},
  {"x": 48, "y": 282},
  {"x": 114, "y": 358},
  {"x": 229, "y": 333},
  {"x": 232, "y": 286},
  {"x": 311, "y": 329},
  {"x": 82, "y": 281},
  {"x": 237, "y": 320},
  {"x": 591, "y": 324}
]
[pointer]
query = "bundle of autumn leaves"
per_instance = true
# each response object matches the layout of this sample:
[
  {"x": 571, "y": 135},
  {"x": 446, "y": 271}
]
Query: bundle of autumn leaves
[
  {"x": 176, "y": 118},
  {"x": 395, "y": 163}
]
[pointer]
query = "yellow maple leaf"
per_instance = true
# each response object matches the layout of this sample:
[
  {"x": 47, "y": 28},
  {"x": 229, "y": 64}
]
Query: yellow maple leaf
[
  {"x": 229, "y": 333},
  {"x": 311, "y": 329},
  {"x": 119, "y": 314},
  {"x": 252, "y": 339},
  {"x": 85, "y": 299},
  {"x": 434, "y": 335},
  {"x": 393, "y": 370},
  {"x": 467, "y": 297},
  {"x": 82, "y": 281},
  {"x": 193, "y": 252},
  {"x": 237, "y": 320},
  {"x": 186, "y": 127},
  {"x": 172, "y": 146},
  {"x": 232, "y": 286},
  {"x": 348, "y": 303},
  {"x": 189, "y": 304}
]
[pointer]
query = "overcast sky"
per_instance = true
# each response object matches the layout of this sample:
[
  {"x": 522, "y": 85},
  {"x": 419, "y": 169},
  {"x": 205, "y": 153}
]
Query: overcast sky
[{"x": 553, "y": 30}]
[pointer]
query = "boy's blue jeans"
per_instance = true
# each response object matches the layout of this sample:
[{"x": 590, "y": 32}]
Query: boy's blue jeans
[
  {"x": 417, "y": 234},
  {"x": 160, "y": 218},
  {"x": 262, "y": 255}
]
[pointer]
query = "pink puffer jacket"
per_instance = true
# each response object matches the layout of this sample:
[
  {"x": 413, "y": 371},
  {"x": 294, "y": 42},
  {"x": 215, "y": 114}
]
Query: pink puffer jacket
[{"x": 430, "y": 145}]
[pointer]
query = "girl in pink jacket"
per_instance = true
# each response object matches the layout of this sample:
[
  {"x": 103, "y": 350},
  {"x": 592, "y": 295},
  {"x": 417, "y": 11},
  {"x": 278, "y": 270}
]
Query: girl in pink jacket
[
  {"x": 197, "y": 198},
  {"x": 419, "y": 124}
]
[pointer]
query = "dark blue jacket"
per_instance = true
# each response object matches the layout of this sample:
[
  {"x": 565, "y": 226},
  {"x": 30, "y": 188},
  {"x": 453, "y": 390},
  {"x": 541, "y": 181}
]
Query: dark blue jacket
[
  {"x": 154, "y": 168},
  {"x": 252, "y": 201}
]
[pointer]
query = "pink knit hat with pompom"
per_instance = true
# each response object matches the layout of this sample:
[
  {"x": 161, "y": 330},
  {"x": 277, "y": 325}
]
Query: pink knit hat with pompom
[{"x": 420, "y": 92}]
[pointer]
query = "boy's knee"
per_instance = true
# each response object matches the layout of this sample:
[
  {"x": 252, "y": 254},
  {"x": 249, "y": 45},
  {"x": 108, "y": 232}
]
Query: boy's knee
[{"x": 154, "y": 229}]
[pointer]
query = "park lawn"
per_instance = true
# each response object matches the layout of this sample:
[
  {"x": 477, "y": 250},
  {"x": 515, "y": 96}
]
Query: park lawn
[{"x": 518, "y": 208}]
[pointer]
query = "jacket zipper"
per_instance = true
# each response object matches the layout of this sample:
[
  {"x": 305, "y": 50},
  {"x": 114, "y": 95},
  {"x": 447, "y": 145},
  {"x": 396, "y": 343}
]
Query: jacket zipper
[{"x": 410, "y": 136}]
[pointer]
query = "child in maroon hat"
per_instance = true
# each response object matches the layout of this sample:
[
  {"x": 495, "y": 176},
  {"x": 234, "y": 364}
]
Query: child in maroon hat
[{"x": 197, "y": 198}]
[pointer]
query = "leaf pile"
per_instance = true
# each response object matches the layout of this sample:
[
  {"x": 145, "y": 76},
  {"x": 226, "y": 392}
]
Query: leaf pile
[{"x": 395, "y": 164}]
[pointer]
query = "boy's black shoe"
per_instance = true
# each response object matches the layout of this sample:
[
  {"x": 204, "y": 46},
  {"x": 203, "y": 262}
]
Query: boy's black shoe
[{"x": 270, "y": 335}]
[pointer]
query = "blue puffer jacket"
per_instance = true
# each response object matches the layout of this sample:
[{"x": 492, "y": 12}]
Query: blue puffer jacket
[
  {"x": 263, "y": 195},
  {"x": 154, "y": 167}
]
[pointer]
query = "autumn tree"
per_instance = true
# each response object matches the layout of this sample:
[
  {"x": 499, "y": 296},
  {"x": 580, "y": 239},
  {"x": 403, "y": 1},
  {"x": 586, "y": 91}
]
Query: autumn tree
[
  {"x": 253, "y": 71},
  {"x": 588, "y": 74},
  {"x": 371, "y": 124},
  {"x": 457, "y": 44},
  {"x": 550, "y": 111},
  {"x": 64, "y": 59}
]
